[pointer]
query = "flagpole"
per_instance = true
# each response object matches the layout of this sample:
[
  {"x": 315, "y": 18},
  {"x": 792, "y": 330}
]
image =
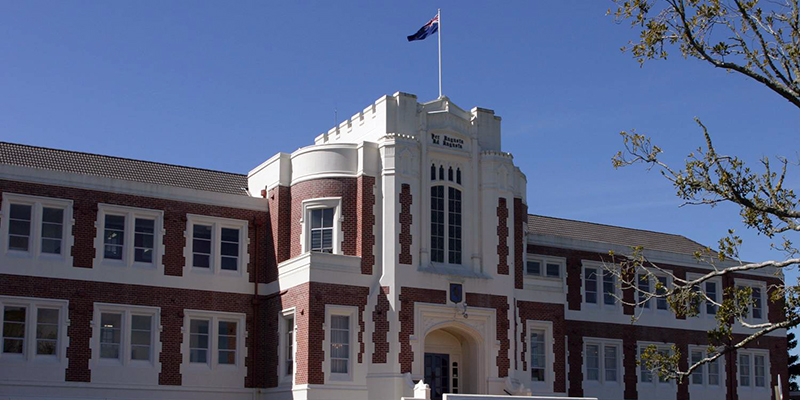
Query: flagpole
[{"x": 439, "y": 17}]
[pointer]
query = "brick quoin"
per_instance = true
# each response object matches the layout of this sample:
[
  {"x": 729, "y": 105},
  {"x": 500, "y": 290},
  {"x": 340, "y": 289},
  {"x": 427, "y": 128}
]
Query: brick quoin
[
  {"x": 409, "y": 296},
  {"x": 381, "y": 321},
  {"x": 500, "y": 304},
  {"x": 520, "y": 216},
  {"x": 85, "y": 214},
  {"x": 406, "y": 219},
  {"x": 346, "y": 189},
  {"x": 83, "y": 294},
  {"x": 366, "y": 223},
  {"x": 502, "y": 236},
  {"x": 535, "y": 311}
]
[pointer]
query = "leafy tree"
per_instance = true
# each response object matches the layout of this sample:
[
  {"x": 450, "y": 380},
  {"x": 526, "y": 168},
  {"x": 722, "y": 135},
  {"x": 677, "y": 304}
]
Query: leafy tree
[{"x": 759, "y": 40}]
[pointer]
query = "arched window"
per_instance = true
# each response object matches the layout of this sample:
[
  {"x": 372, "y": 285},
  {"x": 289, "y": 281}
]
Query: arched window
[
  {"x": 450, "y": 174},
  {"x": 439, "y": 225},
  {"x": 458, "y": 176},
  {"x": 433, "y": 172},
  {"x": 441, "y": 173}
]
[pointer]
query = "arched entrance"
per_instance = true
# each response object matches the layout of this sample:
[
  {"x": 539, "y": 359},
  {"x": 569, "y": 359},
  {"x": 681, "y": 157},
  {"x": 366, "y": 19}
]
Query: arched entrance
[{"x": 453, "y": 360}]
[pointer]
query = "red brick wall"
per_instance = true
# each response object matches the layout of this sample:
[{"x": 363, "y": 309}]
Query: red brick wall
[
  {"x": 406, "y": 220},
  {"x": 85, "y": 215},
  {"x": 381, "y": 321},
  {"x": 533, "y": 311},
  {"x": 520, "y": 216},
  {"x": 366, "y": 223},
  {"x": 500, "y": 304},
  {"x": 502, "y": 236},
  {"x": 83, "y": 294},
  {"x": 409, "y": 296},
  {"x": 347, "y": 189}
]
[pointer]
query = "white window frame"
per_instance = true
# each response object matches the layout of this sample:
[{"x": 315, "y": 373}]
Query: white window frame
[
  {"x": 656, "y": 380},
  {"x": 130, "y": 214},
  {"x": 751, "y": 353},
  {"x": 704, "y": 369},
  {"x": 37, "y": 204},
  {"x": 543, "y": 261},
  {"x": 599, "y": 266},
  {"x": 215, "y": 263},
  {"x": 32, "y": 305},
  {"x": 653, "y": 301},
  {"x": 549, "y": 371},
  {"x": 283, "y": 377},
  {"x": 305, "y": 222},
  {"x": 212, "y": 362},
  {"x": 703, "y": 311},
  {"x": 602, "y": 343},
  {"x": 127, "y": 312},
  {"x": 349, "y": 311},
  {"x": 446, "y": 212},
  {"x": 764, "y": 299}
]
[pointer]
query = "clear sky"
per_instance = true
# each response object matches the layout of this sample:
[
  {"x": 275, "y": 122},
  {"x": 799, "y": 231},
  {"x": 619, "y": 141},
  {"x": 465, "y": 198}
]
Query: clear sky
[{"x": 226, "y": 85}]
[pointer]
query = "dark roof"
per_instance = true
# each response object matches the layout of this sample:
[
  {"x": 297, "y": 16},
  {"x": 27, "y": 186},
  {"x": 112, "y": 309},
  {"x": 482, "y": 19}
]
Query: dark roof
[
  {"x": 615, "y": 235},
  {"x": 122, "y": 168}
]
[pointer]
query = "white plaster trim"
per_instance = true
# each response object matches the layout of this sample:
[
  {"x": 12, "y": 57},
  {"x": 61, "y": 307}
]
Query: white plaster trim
[{"x": 34, "y": 255}]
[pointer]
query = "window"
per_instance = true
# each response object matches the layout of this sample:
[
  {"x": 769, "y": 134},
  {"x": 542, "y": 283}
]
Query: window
[
  {"x": 590, "y": 285},
  {"x": 129, "y": 236},
  {"x": 706, "y": 374},
  {"x": 341, "y": 325},
  {"x": 340, "y": 344},
  {"x": 322, "y": 228},
  {"x": 756, "y": 309},
  {"x": 542, "y": 266},
  {"x": 602, "y": 361},
  {"x": 216, "y": 245},
  {"x": 643, "y": 282},
  {"x": 753, "y": 369},
  {"x": 31, "y": 328},
  {"x": 711, "y": 293},
  {"x": 538, "y": 365},
  {"x": 287, "y": 346},
  {"x": 213, "y": 340},
  {"x": 13, "y": 329},
  {"x": 125, "y": 334},
  {"x": 646, "y": 375},
  {"x": 599, "y": 286},
  {"x": 36, "y": 226},
  {"x": 198, "y": 341},
  {"x": 446, "y": 217},
  {"x": 661, "y": 289}
]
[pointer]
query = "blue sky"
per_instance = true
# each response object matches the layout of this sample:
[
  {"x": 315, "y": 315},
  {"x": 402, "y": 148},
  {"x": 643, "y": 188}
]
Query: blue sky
[{"x": 225, "y": 85}]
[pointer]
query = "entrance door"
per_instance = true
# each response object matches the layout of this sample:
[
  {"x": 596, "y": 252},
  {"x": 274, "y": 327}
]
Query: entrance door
[{"x": 437, "y": 374}]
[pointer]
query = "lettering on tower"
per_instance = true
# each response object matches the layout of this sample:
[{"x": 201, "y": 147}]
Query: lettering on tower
[{"x": 447, "y": 141}]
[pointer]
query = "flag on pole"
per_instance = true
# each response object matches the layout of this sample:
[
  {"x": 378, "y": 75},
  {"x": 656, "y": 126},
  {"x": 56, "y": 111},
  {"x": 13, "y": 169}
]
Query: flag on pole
[{"x": 428, "y": 29}]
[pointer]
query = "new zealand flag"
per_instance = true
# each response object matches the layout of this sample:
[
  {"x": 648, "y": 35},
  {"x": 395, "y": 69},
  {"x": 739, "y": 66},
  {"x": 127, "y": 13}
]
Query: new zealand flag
[{"x": 428, "y": 29}]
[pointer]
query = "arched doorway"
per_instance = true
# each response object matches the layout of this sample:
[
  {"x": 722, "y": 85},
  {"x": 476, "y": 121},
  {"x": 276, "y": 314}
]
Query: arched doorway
[{"x": 453, "y": 360}]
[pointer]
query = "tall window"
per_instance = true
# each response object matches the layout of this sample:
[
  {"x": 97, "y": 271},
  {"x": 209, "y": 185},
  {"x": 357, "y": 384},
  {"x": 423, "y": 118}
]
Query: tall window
[
  {"x": 13, "y": 329},
  {"x": 199, "y": 342},
  {"x": 19, "y": 230},
  {"x": 643, "y": 282},
  {"x": 114, "y": 237},
  {"x": 143, "y": 240},
  {"x": 437, "y": 223},
  {"x": 537, "y": 356},
  {"x": 128, "y": 236},
  {"x": 52, "y": 229},
  {"x": 46, "y": 331},
  {"x": 661, "y": 289},
  {"x": 590, "y": 285},
  {"x": 608, "y": 288},
  {"x": 288, "y": 344},
  {"x": 592, "y": 362},
  {"x": 110, "y": 335},
  {"x": 322, "y": 230},
  {"x": 711, "y": 292},
  {"x": 227, "y": 342},
  {"x": 201, "y": 245},
  {"x": 141, "y": 336},
  {"x": 446, "y": 217},
  {"x": 744, "y": 369},
  {"x": 454, "y": 225},
  {"x": 340, "y": 344}
]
